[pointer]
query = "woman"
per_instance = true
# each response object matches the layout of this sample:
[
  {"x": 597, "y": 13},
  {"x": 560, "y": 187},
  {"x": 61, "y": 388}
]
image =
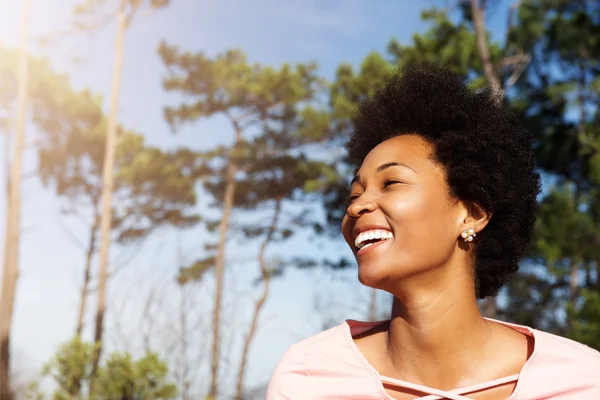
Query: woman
[{"x": 441, "y": 211}]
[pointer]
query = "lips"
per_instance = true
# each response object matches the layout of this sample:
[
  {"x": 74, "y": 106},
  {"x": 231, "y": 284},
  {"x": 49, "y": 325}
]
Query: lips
[{"x": 370, "y": 247}]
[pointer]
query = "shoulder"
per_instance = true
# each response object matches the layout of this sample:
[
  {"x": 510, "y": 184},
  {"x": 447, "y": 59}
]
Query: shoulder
[
  {"x": 289, "y": 375},
  {"x": 558, "y": 351},
  {"x": 560, "y": 368},
  {"x": 292, "y": 369},
  {"x": 319, "y": 363},
  {"x": 561, "y": 348},
  {"x": 566, "y": 358}
]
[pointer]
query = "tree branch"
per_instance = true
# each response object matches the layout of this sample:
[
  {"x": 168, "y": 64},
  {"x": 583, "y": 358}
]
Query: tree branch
[
  {"x": 69, "y": 234},
  {"x": 260, "y": 302},
  {"x": 75, "y": 29},
  {"x": 484, "y": 53}
]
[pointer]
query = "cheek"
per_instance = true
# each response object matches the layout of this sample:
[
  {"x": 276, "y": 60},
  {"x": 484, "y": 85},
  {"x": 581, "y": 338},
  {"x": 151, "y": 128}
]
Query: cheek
[{"x": 425, "y": 225}]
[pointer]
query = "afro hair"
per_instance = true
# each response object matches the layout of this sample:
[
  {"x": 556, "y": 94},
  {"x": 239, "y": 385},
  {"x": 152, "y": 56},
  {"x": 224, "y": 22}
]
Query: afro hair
[{"x": 486, "y": 154}]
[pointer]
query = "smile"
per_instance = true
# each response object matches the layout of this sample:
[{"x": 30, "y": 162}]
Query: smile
[{"x": 370, "y": 237}]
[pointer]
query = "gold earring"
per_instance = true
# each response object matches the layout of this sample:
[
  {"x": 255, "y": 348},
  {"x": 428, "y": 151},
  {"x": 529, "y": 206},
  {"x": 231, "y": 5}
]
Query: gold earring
[{"x": 468, "y": 234}]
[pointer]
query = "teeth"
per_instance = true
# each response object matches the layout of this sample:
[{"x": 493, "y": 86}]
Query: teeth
[{"x": 370, "y": 235}]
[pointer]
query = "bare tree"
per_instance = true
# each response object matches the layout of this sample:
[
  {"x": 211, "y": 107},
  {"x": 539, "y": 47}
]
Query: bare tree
[
  {"x": 13, "y": 217},
  {"x": 87, "y": 272},
  {"x": 220, "y": 270},
  {"x": 125, "y": 14},
  {"x": 260, "y": 302},
  {"x": 108, "y": 179}
]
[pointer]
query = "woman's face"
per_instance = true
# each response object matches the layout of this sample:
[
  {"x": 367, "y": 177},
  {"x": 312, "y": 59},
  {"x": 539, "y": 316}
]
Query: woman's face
[{"x": 401, "y": 203}]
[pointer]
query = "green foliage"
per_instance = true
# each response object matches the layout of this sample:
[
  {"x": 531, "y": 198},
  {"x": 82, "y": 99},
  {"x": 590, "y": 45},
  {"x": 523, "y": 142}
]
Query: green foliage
[
  {"x": 452, "y": 45},
  {"x": 71, "y": 368},
  {"x": 123, "y": 378},
  {"x": 558, "y": 97},
  {"x": 558, "y": 102},
  {"x": 229, "y": 83},
  {"x": 587, "y": 323},
  {"x": 349, "y": 88},
  {"x": 152, "y": 187},
  {"x": 276, "y": 120},
  {"x": 119, "y": 378},
  {"x": 195, "y": 271},
  {"x": 32, "y": 392},
  {"x": 565, "y": 230}
]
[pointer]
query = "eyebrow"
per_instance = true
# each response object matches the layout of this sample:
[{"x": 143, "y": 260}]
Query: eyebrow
[{"x": 384, "y": 167}]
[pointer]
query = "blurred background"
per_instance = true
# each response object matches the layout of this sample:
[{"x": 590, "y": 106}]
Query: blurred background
[{"x": 174, "y": 178}]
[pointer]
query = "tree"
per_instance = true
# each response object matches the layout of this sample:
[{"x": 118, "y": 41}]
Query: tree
[
  {"x": 275, "y": 174},
  {"x": 13, "y": 212},
  {"x": 270, "y": 181},
  {"x": 478, "y": 15},
  {"x": 153, "y": 188},
  {"x": 248, "y": 96},
  {"x": 558, "y": 100},
  {"x": 126, "y": 379},
  {"x": 275, "y": 180},
  {"x": 125, "y": 14},
  {"x": 121, "y": 377},
  {"x": 71, "y": 368}
]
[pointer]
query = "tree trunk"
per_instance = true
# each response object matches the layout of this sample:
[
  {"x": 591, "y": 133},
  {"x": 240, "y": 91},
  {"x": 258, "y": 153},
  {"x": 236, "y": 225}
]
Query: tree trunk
[
  {"x": 260, "y": 302},
  {"x": 6, "y": 155},
  {"x": 220, "y": 264},
  {"x": 184, "y": 347},
  {"x": 219, "y": 272},
  {"x": 87, "y": 275},
  {"x": 373, "y": 305},
  {"x": 484, "y": 52},
  {"x": 13, "y": 217},
  {"x": 107, "y": 184}
]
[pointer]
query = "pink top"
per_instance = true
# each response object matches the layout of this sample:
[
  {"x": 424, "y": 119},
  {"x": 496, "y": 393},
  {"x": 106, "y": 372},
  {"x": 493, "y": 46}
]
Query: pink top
[{"x": 330, "y": 366}]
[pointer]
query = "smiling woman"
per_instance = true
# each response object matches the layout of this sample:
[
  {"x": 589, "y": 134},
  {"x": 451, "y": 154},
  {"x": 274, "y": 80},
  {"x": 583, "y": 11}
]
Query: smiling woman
[{"x": 441, "y": 210}]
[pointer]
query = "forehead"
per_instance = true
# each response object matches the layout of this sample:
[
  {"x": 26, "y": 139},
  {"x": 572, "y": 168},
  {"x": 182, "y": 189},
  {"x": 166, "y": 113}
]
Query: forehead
[{"x": 409, "y": 149}]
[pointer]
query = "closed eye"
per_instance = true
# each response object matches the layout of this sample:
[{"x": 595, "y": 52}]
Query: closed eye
[
  {"x": 352, "y": 198},
  {"x": 391, "y": 182}
]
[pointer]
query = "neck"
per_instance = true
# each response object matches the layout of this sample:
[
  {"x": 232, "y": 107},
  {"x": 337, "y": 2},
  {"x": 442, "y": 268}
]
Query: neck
[{"x": 435, "y": 328}]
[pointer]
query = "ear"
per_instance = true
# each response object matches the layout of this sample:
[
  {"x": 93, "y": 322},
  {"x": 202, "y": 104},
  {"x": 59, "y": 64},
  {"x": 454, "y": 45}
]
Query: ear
[{"x": 475, "y": 216}]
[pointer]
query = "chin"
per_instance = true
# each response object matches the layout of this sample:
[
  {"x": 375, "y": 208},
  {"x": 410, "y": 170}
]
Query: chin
[
  {"x": 372, "y": 276},
  {"x": 387, "y": 277}
]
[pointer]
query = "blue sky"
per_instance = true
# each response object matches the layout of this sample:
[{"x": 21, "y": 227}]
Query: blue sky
[{"x": 270, "y": 32}]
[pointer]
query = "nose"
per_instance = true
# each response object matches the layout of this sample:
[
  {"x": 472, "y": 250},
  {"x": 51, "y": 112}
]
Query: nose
[{"x": 359, "y": 208}]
